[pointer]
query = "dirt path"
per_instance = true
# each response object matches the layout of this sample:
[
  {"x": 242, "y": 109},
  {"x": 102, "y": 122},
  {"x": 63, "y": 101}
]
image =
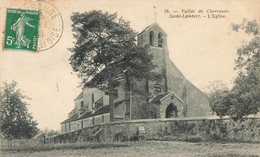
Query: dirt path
[{"x": 154, "y": 149}]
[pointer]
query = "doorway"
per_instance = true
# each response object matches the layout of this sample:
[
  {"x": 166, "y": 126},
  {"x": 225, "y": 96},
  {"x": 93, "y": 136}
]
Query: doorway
[{"x": 171, "y": 111}]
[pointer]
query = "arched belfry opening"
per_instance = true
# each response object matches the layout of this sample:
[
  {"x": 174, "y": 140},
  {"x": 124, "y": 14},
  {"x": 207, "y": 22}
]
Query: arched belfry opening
[
  {"x": 160, "y": 40},
  {"x": 151, "y": 37},
  {"x": 171, "y": 111}
]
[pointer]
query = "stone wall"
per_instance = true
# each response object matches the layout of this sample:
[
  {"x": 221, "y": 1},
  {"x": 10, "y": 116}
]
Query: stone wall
[{"x": 202, "y": 128}]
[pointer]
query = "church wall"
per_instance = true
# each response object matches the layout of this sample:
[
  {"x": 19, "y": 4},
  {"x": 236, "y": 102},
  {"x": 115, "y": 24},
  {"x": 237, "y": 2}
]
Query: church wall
[
  {"x": 73, "y": 126},
  {"x": 197, "y": 102},
  {"x": 120, "y": 110},
  {"x": 98, "y": 120},
  {"x": 159, "y": 61},
  {"x": 87, "y": 96},
  {"x": 78, "y": 105},
  {"x": 138, "y": 97},
  {"x": 87, "y": 122},
  {"x": 63, "y": 128},
  {"x": 120, "y": 92}
]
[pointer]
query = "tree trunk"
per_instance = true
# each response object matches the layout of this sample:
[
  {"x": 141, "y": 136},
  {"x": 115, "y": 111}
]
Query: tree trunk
[
  {"x": 111, "y": 102},
  {"x": 147, "y": 90},
  {"x": 127, "y": 96},
  {"x": 111, "y": 95}
]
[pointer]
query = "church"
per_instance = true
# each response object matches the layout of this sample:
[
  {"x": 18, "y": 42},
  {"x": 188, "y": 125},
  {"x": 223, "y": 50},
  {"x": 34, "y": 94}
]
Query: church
[{"x": 171, "y": 96}]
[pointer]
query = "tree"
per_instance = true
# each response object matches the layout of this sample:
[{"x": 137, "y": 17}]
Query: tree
[
  {"x": 106, "y": 47},
  {"x": 218, "y": 98},
  {"x": 243, "y": 99},
  {"x": 50, "y": 132},
  {"x": 246, "y": 88},
  {"x": 16, "y": 122}
]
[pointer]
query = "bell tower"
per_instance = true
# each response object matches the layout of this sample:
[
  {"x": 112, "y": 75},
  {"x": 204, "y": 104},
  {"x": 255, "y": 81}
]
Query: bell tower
[{"x": 156, "y": 38}]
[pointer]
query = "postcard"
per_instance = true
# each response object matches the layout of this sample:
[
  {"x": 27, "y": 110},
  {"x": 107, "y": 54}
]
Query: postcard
[{"x": 109, "y": 70}]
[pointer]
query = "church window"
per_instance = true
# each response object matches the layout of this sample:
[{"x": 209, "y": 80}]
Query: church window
[
  {"x": 103, "y": 118},
  {"x": 93, "y": 121},
  {"x": 142, "y": 38},
  {"x": 157, "y": 88},
  {"x": 81, "y": 124},
  {"x": 138, "y": 41},
  {"x": 93, "y": 100},
  {"x": 69, "y": 127},
  {"x": 160, "y": 40},
  {"x": 151, "y": 36},
  {"x": 82, "y": 104}
]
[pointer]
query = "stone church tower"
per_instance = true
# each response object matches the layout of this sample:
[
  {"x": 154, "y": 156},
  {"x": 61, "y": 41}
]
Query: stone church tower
[{"x": 174, "y": 95}]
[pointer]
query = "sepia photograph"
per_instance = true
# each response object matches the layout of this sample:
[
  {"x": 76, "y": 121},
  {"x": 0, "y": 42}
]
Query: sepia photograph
[{"x": 141, "y": 78}]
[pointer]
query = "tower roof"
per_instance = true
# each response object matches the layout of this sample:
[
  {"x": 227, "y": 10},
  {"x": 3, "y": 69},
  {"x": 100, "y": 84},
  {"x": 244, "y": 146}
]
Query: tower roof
[{"x": 152, "y": 25}]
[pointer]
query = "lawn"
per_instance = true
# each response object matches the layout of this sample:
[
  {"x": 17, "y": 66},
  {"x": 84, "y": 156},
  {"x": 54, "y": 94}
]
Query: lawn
[{"x": 138, "y": 149}]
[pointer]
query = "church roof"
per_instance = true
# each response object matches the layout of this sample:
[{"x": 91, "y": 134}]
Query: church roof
[
  {"x": 157, "y": 98},
  {"x": 101, "y": 110},
  {"x": 173, "y": 69},
  {"x": 150, "y": 26},
  {"x": 85, "y": 115},
  {"x": 71, "y": 119},
  {"x": 80, "y": 96},
  {"x": 105, "y": 109}
]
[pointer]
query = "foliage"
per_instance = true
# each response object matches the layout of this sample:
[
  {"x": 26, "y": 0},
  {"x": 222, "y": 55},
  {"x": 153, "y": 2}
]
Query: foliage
[
  {"x": 147, "y": 111},
  {"x": 244, "y": 95},
  {"x": 104, "y": 50},
  {"x": 16, "y": 122},
  {"x": 243, "y": 99},
  {"x": 218, "y": 98},
  {"x": 51, "y": 132},
  {"x": 105, "y": 43}
]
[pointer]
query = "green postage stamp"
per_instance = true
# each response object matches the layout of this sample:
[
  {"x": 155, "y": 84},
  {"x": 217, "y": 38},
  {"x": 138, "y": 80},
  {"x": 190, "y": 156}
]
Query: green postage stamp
[{"x": 21, "y": 29}]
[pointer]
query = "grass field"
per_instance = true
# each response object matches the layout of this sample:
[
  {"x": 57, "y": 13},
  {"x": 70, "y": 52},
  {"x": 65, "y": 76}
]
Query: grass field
[{"x": 137, "y": 149}]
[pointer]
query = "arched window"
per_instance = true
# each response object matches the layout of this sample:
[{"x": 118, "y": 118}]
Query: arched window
[
  {"x": 92, "y": 98},
  {"x": 142, "y": 39},
  {"x": 93, "y": 121},
  {"x": 103, "y": 119},
  {"x": 82, "y": 104},
  {"x": 81, "y": 124},
  {"x": 160, "y": 40},
  {"x": 151, "y": 35}
]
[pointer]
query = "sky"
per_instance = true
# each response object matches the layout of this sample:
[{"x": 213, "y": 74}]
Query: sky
[{"x": 203, "y": 49}]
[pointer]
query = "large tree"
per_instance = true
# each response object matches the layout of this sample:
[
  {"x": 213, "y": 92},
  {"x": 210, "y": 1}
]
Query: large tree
[
  {"x": 244, "y": 97},
  {"x": 16, "y": 121},
  {"x": 105, "y": 48}
]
